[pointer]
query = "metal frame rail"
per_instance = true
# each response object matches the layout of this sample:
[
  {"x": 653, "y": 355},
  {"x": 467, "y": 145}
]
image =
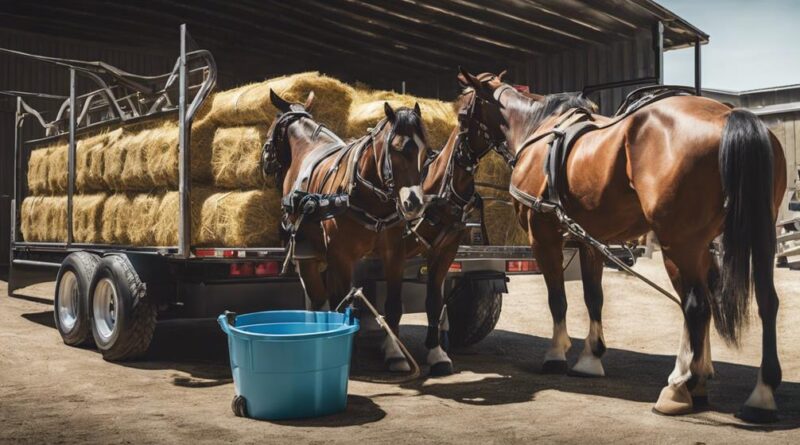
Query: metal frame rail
[{"x": 120, "y": 97}]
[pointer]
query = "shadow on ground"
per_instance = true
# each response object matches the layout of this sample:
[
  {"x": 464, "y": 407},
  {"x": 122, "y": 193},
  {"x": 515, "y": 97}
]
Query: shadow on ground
[{"x": 506, "y": 366}]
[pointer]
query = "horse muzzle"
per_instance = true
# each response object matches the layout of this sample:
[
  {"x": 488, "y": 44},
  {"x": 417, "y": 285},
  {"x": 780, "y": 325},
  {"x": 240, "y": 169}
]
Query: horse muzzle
[{"x": 412, "y": 202}]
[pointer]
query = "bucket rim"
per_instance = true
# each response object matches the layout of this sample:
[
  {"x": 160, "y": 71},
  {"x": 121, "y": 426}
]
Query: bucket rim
[{"x": 349, "y": 326}]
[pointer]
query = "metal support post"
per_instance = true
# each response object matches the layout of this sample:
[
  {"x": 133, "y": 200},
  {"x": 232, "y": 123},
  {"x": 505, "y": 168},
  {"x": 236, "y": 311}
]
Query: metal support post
[
  {"x": 658, "y": 50},
  {"x": 697, "y": 68},
  {"x": 184, "y": 173},
  {"x": 71, "y": 156}
]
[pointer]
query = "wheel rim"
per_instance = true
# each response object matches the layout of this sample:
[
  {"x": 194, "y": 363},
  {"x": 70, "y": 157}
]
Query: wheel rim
[
  {"x": 68, "y": 300},
  {"x": 105, "y": 307}
]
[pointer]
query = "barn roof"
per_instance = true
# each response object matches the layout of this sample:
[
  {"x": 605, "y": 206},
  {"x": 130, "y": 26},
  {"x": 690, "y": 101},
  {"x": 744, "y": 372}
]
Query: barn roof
[{"x": 419, "y": 35}]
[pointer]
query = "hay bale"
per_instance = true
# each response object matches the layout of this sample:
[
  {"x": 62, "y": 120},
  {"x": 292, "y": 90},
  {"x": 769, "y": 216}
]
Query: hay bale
[
  {"x": 87, "y": 217},
  {"x": 116, "y": 218},
  {"x": 57, "y": 169},
  {"x": 88, "y": 152},
  {"x": 491, "y": 179},
  {"x": 367, "y": 110},
  {"x": 236, "y": 157},
  {"x": 240, "y": 219},
  {"x": 37, "y": 171},
  {"x": 250, "y": 104},
  {"x": 44, "y": 219},
  {"x": 143, "y": 215}
]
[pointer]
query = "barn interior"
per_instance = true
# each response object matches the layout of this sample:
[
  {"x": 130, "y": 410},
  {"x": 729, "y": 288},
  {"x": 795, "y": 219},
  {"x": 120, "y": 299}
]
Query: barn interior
[{"x": 410, "y": 45}]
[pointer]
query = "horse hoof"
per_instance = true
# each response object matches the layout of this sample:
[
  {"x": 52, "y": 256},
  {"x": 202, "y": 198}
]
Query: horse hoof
[
  {"x": 397, "y": 365},
  {"x": 674, "y": 401},
  {"x": 588, "y": 366},
  {"x": 555, "y": 367},
  {"x": 441, "y": 369},
  {"x": 752, "y": 414}
]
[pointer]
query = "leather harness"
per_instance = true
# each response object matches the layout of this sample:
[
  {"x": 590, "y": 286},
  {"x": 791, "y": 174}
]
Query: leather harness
[{"x": 448, "y": 200}]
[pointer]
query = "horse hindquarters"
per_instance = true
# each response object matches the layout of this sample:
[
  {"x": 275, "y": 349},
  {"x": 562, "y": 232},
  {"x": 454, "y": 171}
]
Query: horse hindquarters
[{"x": 748, "y": 171}]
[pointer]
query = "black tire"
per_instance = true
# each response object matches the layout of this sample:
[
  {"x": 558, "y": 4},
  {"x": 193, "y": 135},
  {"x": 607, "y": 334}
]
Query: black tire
[
  {"x": 71, "y": 299},
  {"x": 123, "y": 317},
  {"x": 472, "y": 316}
]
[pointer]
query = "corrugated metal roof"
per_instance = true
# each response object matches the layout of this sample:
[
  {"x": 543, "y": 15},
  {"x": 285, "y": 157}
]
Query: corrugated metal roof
[{"x": 417, "y": 35}]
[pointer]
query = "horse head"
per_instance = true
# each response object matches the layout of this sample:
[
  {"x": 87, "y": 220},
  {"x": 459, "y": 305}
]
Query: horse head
[
  {"x": 400, "y": 148},
  {"x": 276, "y": 154}
]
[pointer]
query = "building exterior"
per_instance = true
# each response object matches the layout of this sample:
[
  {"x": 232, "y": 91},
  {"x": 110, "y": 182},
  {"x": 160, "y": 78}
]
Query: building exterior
[
  {"x": 549, "y": 45},
  {"x": 779, "y": 108}
]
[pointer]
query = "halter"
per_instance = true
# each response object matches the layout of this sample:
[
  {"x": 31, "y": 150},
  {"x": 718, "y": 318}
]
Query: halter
[
  {"x": 270, "y": 162},
  {"x": 464, "y": 157},
  {"x": 498, "y": 145}
]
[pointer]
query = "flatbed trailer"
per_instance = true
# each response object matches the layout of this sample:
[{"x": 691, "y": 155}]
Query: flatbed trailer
[{"x": 99, "y": 287}]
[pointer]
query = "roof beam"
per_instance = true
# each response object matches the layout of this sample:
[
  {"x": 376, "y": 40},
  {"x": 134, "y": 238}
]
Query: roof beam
[{"x": 348, "y": 36}]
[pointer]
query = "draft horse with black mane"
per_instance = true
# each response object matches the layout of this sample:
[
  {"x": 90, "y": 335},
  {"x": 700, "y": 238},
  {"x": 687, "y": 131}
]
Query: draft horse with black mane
[
  {"x": 343, "y": 201},
  {"x": 449, "y": 188},
  {"x": 688, "y": 168}
]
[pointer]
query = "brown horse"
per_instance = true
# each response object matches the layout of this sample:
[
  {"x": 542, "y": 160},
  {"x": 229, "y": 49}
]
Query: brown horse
[
  {"x": 449, "y": 188},
  {"x": 686, "y": 167},
  {"x": 380, "y": 173}
]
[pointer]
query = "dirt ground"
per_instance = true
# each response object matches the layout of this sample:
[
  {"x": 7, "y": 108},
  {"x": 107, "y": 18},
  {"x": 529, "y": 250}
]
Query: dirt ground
[{"x": 51, "y": 393}]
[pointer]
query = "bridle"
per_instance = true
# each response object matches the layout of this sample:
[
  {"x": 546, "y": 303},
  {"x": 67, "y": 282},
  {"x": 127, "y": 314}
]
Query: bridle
[
  {"x": 464, "y": 157},
  {"x": 271, "y": 162},
  {"x": 500, "y": 144}
]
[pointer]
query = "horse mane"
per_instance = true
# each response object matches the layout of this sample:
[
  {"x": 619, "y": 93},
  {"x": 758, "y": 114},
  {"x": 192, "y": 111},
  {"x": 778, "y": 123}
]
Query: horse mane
[
  {"x": 407, "y": 123},
  {"x": 536, "y": 111}
]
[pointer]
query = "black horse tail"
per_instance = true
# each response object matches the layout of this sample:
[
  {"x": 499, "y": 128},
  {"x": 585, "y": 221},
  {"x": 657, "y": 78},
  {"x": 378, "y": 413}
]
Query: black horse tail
[{"x": 748, "y": 240}]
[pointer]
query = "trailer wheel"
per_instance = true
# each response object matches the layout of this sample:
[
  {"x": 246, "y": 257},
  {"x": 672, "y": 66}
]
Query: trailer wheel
[
  {"x": 71, "y": 300},
  {"x": 123, "y": 317},
  {"x": 472, "y": 312}
]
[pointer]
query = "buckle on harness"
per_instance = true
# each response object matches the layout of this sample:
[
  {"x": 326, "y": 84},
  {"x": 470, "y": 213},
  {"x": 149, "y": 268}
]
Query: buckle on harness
[{"x": 315, "y": 206}]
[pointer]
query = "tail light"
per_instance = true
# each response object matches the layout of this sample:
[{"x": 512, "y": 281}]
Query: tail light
[
  {"x": 267, "y": 269},
  {"x": 522, "y": 266},
  {"x": 241, "y": 270},
  {"x": 455, "y": 267}
]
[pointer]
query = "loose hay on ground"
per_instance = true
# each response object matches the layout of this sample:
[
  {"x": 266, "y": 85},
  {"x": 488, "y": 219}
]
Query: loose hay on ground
[{"x": 250, "y": 104}]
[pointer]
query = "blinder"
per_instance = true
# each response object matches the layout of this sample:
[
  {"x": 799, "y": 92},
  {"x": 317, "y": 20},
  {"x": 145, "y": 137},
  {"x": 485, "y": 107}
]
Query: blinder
[{"x": 271, "y": 162}]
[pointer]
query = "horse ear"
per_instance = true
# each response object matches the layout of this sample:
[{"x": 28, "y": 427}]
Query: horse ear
[
  {"x": 309, "y": 101},
  {"x": 417, "y": 109},
  {"x": 500, "y": 76},
  {"x": 279, "y": 102},
  {"x": 389, "y": 111},
  {"x": 480, "y": 89},
  {"x": 462, "y": 78}
]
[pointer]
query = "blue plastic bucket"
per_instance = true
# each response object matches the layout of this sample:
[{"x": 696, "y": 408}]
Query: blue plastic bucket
[{"x": 291, "y": 364}]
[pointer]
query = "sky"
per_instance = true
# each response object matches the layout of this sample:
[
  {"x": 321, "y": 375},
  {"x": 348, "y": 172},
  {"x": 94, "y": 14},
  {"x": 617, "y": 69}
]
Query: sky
[{"x": 753, "y": 44}]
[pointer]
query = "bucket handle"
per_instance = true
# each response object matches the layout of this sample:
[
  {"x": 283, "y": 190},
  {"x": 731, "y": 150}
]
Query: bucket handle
[{"x": 226, "y": 321}]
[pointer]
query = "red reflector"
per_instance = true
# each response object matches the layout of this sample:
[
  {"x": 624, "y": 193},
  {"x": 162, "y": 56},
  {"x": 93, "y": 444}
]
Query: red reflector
[
  {"x": 267, "y": 269},
  {"x": 241, "y": 270},
  {"x": 228, "y": 253},
  {"x": 204, "y": 252},
  {"x": 455, "y": 267},
  {"x": 522, "y": 266}
]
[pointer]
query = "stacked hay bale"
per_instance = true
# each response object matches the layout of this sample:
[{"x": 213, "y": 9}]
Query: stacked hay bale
[
  {"x": 491, "y": 181},
  {"x": 367, "y": 110},
  {"x": 126, "y": 179}
]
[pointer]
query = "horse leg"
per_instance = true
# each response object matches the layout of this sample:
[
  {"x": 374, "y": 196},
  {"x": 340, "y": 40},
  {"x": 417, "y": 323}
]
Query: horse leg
[
  {"x": 438, "y": 265},
  {"x": 393, "y": 261},
  {"x": 690, "y": 268},
  {"x": 547, "y": 247},
  {"x": 589, "y": 364},
  {"x": 313, "y": 283},
  {"x": 760, "y": 407}
]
